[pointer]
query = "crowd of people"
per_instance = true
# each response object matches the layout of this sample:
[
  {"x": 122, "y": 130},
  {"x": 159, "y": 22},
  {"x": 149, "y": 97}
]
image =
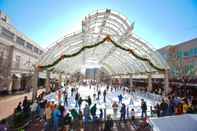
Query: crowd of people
[
  {"x": 172, "y": 105},
  {"x": 58, "y": 116}
]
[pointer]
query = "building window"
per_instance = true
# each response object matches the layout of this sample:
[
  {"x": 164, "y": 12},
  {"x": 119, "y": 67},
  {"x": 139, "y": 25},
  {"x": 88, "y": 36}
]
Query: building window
[
  {"x": 36, "y": 50},
  {"x": 180, "y": 54},
  {"x": 7, "y": 34},
  {"x": 20, "y": 41},
  {"x": 29, "y": 46},
  {"x": 186, "y": 54},
  {"x": 41, "y": 52},
  {"x": 1, "y": 54},
  {"x": 17, "y": 64},
  {"x": 191, "y": 52},
  {"x": 1, "y": 57},
  {"x": 195, "y": 51}
]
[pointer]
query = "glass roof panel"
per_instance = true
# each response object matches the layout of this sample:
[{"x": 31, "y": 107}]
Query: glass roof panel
[{"x": 96, "y": 27}]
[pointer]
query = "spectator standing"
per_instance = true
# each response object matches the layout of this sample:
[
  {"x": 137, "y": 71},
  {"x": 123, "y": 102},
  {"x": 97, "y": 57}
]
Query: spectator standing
[
  {"x": 56, "y": 119},
  {"x": 163, "y": 108},
  {"x": 19, "y": 107},
  {"x": 34, "y": 108},
  {"x": 48, "y": 116},
  {"x": 108, "y": 124}
]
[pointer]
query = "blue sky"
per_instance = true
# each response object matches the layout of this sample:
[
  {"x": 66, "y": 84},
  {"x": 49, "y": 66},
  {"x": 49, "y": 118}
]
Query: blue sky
[{"x": 161, "y": 22}]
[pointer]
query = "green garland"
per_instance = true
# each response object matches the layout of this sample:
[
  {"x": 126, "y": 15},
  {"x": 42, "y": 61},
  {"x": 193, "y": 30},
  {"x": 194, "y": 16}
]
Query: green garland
[{"x": 95, "y": 45}]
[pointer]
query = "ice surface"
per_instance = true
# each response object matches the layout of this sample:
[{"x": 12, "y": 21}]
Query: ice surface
[{"x": 85, "y": 91}]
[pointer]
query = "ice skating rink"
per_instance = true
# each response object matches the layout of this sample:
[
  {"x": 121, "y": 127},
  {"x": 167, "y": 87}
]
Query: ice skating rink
[{"x": 131, "y": 100}]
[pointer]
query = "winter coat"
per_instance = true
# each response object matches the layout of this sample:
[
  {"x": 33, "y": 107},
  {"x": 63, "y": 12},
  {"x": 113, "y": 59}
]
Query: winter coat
[
  {"x": 123, "y": 110},
  {"x": 48, "y": 113},
  {"x": 80, "y": 101},
  {"x": 67, "y": 119},
  {"x": 56, "y": 115},
  {"x": 93, "y": 110},
  {"x": 120, "y": 97},
  {"x": 74, "y": 114},
  {"x": 144, "y": 106}
]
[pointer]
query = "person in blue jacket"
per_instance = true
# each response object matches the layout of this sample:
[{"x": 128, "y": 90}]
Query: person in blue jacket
[
  {"x": 120, "y": 97},
  {"x": 56, "y": 118}
]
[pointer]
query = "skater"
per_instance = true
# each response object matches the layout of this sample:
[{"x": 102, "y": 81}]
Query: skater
[
  {"x": 107, "y": 87},
  {"x": 101, "y": 115},
  {"x": 99, "y": 93},
  {"x": 89, "y": 101},
  {"x": 97, "y": 87},
  {"x": 122, "y": 112},
  {"x": 131, "y": 101},
  {"x": 66, "y": 99},
  {"x": 72, "y": 91},
  {"x": 93, "y": 112},
  {"x": 129, "y": 91},
  {"x": 76, "y": 99},
  {"x": 127, "y": 112},
  {"x": 86, "y": 113},
  {"x": 144, "y": 108},
  {"x": 94, "y": 96},
  {"x": 104, "y": 95},
  {"x": 79, "y": 103},
  {"x": 120, "y": 97},
  {"x": 115, "y": 109}
]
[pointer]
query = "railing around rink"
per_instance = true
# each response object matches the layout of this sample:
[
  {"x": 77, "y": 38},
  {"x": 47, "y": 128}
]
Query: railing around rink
[{"x": 149, "y": 95}]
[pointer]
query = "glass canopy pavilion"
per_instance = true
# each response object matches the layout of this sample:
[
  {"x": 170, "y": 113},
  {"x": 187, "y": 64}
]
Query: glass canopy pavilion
[{"x": 106, "y": 37}]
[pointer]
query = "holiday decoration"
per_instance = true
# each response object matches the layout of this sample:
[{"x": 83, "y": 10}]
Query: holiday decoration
[{"x": 106, "y": 39}]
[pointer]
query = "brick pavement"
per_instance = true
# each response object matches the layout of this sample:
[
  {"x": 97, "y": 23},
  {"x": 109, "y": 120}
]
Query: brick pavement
[
  {"x": 38, "y": 125},
  {"x": 8, "y": 104}
]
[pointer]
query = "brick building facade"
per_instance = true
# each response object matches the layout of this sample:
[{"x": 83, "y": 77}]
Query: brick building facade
[{"x": 182, "y": 58}]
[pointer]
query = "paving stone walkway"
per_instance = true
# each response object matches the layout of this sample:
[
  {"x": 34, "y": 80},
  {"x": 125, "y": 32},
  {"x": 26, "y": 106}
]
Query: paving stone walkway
[{"x": 9, "y": 103}]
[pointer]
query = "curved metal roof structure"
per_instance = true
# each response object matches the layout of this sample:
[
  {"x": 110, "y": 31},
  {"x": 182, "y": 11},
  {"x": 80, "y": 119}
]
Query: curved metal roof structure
[{"x": 97, "y": 27}]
